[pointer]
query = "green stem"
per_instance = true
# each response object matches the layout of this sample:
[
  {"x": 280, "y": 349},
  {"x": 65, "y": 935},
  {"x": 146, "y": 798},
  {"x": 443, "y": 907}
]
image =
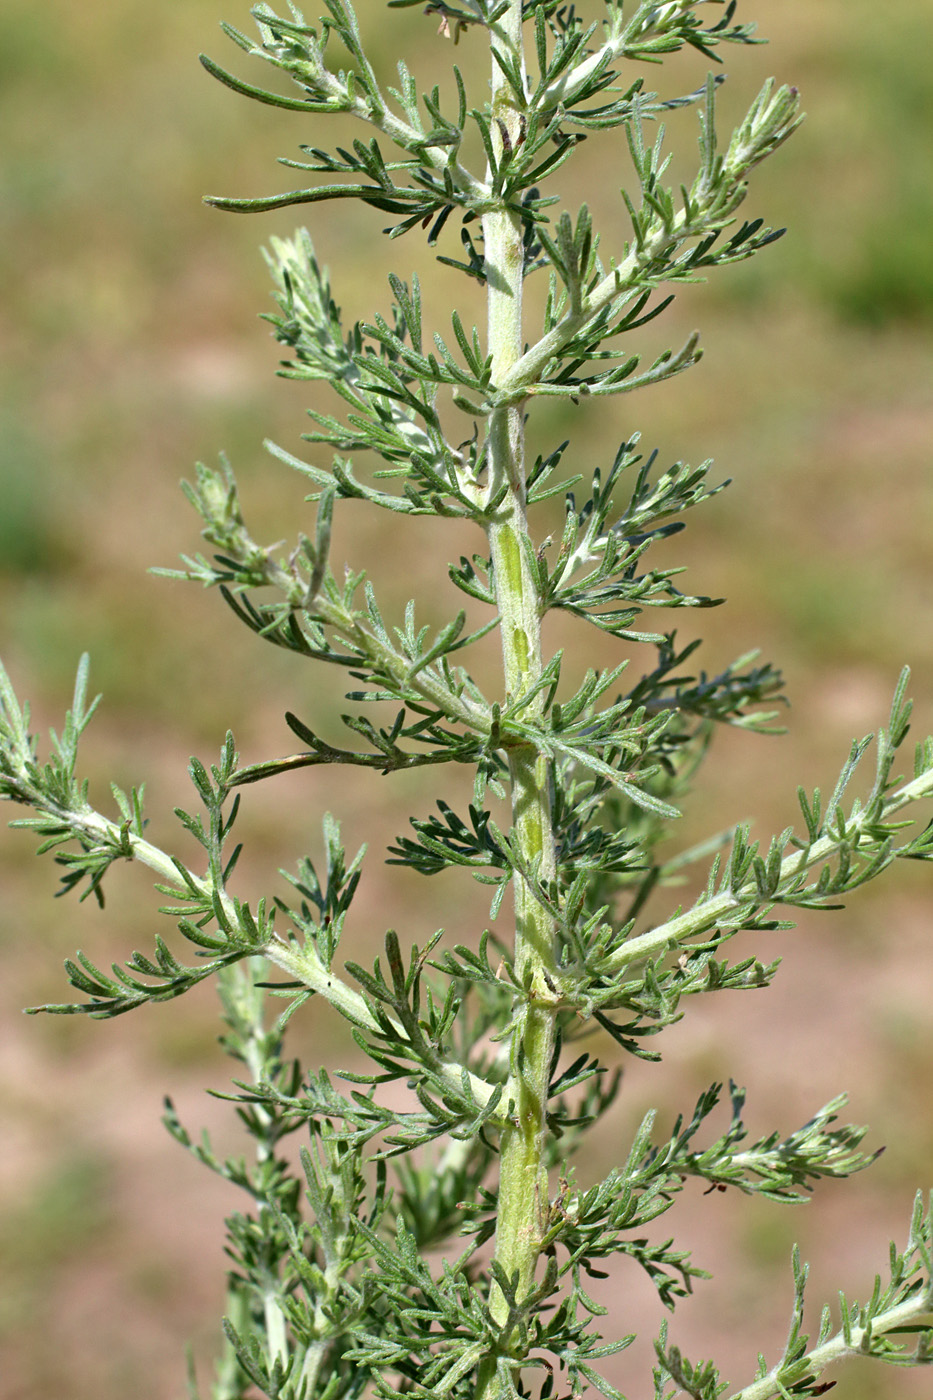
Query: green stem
[
  {"x": 243, "y": 1000},
  {"x": 523, "y": 1193}
]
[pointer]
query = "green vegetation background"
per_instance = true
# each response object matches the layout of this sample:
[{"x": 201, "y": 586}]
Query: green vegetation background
[{"x": 130, "y": 347}]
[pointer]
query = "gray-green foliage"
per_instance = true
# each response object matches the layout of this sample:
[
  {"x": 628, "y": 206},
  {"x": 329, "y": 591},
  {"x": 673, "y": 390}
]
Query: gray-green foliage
[{"x": 444, "y": 1249}]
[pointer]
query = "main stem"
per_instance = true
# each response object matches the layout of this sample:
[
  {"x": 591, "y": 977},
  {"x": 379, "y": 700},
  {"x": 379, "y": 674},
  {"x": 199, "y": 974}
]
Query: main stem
[{"x": 523, "y": 1192}]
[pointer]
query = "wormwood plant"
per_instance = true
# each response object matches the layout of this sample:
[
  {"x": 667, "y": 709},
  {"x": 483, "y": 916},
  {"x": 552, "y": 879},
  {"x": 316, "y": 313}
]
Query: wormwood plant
[{"x": 444, "y": 1249}]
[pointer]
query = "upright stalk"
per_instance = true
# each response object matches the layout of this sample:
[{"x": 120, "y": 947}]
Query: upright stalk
[
  {"x": 523, "y": 1193},
  {"x": 350, "y": 1276}
]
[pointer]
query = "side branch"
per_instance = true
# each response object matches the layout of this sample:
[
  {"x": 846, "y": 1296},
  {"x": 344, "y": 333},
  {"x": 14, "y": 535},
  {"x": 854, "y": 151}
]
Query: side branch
[
  {"x": 861, "y": 832},
  {"x": 914, "y": 1315},
  {"x": 660, "y": 230},
  {"x": 96, "y": 832}
]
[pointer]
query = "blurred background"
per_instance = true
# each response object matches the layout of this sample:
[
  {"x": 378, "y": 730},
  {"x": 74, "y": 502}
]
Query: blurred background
[{"x": 130, "y": 347}]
